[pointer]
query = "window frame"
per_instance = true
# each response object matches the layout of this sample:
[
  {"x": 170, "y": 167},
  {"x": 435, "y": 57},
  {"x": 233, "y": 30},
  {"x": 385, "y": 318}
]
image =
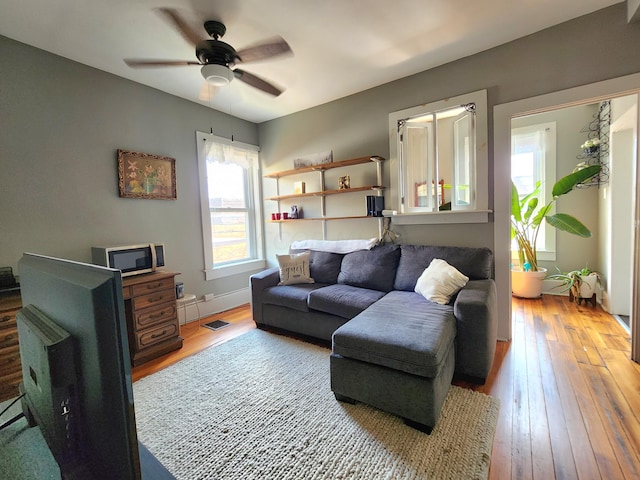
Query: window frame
[
  {"x": 479, "y": 212},
  {"x": 255, "y": 221},
  {"x": 548, "y": 253}
]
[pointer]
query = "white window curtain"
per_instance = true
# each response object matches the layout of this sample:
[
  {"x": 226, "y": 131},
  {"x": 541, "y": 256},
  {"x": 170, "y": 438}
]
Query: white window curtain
[{"x": 217, "y": 152}]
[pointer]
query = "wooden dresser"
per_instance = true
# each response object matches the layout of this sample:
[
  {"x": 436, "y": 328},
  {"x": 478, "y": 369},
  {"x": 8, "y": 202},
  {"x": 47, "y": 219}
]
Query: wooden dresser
[
  {"x": 10, "y": 367},
  {"x": 152, "y": 315}
]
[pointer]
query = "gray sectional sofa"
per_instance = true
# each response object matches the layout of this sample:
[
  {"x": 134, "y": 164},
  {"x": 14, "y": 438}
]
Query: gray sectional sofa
[{"x": 391, "y": 347}]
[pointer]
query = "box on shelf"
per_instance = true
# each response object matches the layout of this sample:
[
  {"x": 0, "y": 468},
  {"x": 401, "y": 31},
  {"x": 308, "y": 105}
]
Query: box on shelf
[{"x": 298, "y": 187}]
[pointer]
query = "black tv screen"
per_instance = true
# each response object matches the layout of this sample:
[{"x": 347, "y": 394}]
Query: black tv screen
[{"x": 87, "y": 302}]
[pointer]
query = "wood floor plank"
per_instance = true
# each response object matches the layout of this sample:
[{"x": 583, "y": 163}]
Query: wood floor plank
[
  {"x": 521, "y": 461},
  {"x": 565, "y": 365},
  {"x": 541, "y": 454},
  {"x": 562, "y": 455},
  {"x": 500, "y": 385}
]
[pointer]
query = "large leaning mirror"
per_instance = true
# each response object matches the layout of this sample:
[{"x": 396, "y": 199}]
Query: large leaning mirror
[{"x": 439, "y": 156}]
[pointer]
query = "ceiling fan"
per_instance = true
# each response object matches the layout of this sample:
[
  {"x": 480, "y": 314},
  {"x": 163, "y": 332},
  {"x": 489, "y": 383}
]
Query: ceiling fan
[{"x": 218, "y": 59}]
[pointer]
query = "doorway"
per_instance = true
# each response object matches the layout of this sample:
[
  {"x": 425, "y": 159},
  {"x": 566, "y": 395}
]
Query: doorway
[
  {"x": 503, "y": 115},
  {"x": 546, "y": 146}
]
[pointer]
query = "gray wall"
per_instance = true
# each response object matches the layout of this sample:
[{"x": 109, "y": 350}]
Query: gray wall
[
  {"x": 62, "y": 123},
  {"x": 587, "y": 49}
]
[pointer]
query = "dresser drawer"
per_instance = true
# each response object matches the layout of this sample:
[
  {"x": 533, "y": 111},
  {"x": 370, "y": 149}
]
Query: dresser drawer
[
  {"x": 154, "y": 315},
  {"x": 155, "y": 298},
  {"x": 8, "y": 337},
  {"x": 156, "y": 335},
  {"x": 8, "y": 319},
  {"x": 153, "y": 286}
]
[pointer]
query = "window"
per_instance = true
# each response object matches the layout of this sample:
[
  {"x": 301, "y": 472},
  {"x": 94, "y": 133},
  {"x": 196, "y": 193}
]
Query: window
[
  {"x": 439, "y": 161},
  {"x": 435, "y": 149},
  {"x": 533, "y": 160},
  {"x": 229, "y": 173}
]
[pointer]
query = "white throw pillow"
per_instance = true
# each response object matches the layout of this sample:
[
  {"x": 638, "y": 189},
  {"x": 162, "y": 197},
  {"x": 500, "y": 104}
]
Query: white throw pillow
[
  {"x": 440, "y": 281},
  {"x": 294, "y": 268}
]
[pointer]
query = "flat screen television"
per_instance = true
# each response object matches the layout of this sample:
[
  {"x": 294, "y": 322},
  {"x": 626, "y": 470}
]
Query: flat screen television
[{"x": 85, "y": 301}]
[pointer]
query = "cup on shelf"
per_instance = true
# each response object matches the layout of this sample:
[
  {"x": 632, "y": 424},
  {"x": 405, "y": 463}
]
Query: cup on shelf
[
  {"x": 278, "y": 216},
  {"x": 285, "y": 215},
  {"x": 273, "y": 216}
]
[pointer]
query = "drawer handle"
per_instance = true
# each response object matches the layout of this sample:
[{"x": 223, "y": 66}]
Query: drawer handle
[
  {"x": 153, "y": 286},
  {"x": 158, "y": 315},
  {"x": 158, "y": 335},
  {"x": 6, "y": 318},
  {"x": 155, "y": 299}
]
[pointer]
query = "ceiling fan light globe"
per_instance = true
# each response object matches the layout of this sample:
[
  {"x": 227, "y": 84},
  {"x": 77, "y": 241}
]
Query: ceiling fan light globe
[{"x": 217, "y": 75}]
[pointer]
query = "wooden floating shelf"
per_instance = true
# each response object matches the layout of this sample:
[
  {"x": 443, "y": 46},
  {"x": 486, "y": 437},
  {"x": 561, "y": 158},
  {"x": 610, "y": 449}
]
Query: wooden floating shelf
[
  {"x": 289, "y": 220},
  {"x": 325, "y": 166},
  {"x": 326, "y": 192}
]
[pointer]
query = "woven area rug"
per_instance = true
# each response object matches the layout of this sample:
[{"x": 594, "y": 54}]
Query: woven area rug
[{"x": 260, "y": 407}]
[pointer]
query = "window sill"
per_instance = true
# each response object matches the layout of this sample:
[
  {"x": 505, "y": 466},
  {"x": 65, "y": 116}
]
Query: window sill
[
  {"x": 432, "y": 218},
  {"x": 235, "y": 269}
]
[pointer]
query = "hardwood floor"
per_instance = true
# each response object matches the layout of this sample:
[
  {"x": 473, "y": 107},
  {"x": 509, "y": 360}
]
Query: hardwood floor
[{"x": 570, "y": 396}]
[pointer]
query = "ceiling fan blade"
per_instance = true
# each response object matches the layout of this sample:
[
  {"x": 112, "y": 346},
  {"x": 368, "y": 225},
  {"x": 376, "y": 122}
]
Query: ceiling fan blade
[
  {"x": 135, "y": 63},
  {"x": 257, "y": 82},
  {"x": 271, "y": 48},
  {"x": 188, "y": 33}
]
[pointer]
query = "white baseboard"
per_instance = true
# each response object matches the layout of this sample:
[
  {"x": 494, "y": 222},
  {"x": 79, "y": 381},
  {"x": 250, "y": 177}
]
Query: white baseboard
[{"x": 220, "y": 303}]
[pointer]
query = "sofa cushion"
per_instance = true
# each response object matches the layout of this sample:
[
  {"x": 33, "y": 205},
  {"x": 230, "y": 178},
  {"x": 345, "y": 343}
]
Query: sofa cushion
[
  {"x": 402, "y": 331},
  {"x": 440, "y": 281},
  {"x": 324, "y": 266},
  {"x": 475, "y": 263},
  {"x": 292, "y": 296},
  {"x": 344, "y": 301},
  {"x": 374, "y": 269}
]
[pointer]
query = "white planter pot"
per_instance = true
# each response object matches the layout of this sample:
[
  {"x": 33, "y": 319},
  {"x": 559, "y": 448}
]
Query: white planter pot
[
  {"x": 527, "y": 284},
  {"x": 588, "y": 285}
]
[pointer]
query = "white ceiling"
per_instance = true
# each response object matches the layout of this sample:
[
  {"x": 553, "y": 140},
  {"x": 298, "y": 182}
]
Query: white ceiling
[{"x": 340, "y": 46}]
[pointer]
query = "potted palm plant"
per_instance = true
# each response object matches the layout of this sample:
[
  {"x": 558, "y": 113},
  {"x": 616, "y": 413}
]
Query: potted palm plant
[{"x": 527, "y": 217}]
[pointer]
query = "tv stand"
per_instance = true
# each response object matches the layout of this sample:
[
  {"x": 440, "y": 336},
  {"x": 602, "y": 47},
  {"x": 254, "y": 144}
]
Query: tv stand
[{"x": 152, "y": 315}]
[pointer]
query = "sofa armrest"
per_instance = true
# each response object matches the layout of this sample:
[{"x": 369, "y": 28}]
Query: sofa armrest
[
  {"x": 477, "y": 321},
  {"x": 258, "y": 282}
]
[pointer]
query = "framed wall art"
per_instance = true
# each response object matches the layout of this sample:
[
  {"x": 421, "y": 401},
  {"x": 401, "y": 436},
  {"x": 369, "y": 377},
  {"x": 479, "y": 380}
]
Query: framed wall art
[{"x": 142, "y": 175}]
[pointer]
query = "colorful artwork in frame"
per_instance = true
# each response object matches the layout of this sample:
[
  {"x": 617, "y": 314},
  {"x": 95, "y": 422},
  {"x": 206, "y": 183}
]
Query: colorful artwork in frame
[{"x": 142, "y": 175}]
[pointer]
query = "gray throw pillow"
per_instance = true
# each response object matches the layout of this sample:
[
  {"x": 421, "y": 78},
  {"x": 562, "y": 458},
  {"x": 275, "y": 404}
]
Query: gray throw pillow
[
  {"x": 374, "y": 269},
  {"x": 324, "y": 266}
]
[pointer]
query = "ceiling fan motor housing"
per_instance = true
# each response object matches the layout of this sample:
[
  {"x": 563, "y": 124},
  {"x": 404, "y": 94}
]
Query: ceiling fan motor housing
[{"x": 215, "y": 51}]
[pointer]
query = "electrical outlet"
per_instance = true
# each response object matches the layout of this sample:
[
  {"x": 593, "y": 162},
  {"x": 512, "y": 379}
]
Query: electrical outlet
[{"x": 208, "y": 297}]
